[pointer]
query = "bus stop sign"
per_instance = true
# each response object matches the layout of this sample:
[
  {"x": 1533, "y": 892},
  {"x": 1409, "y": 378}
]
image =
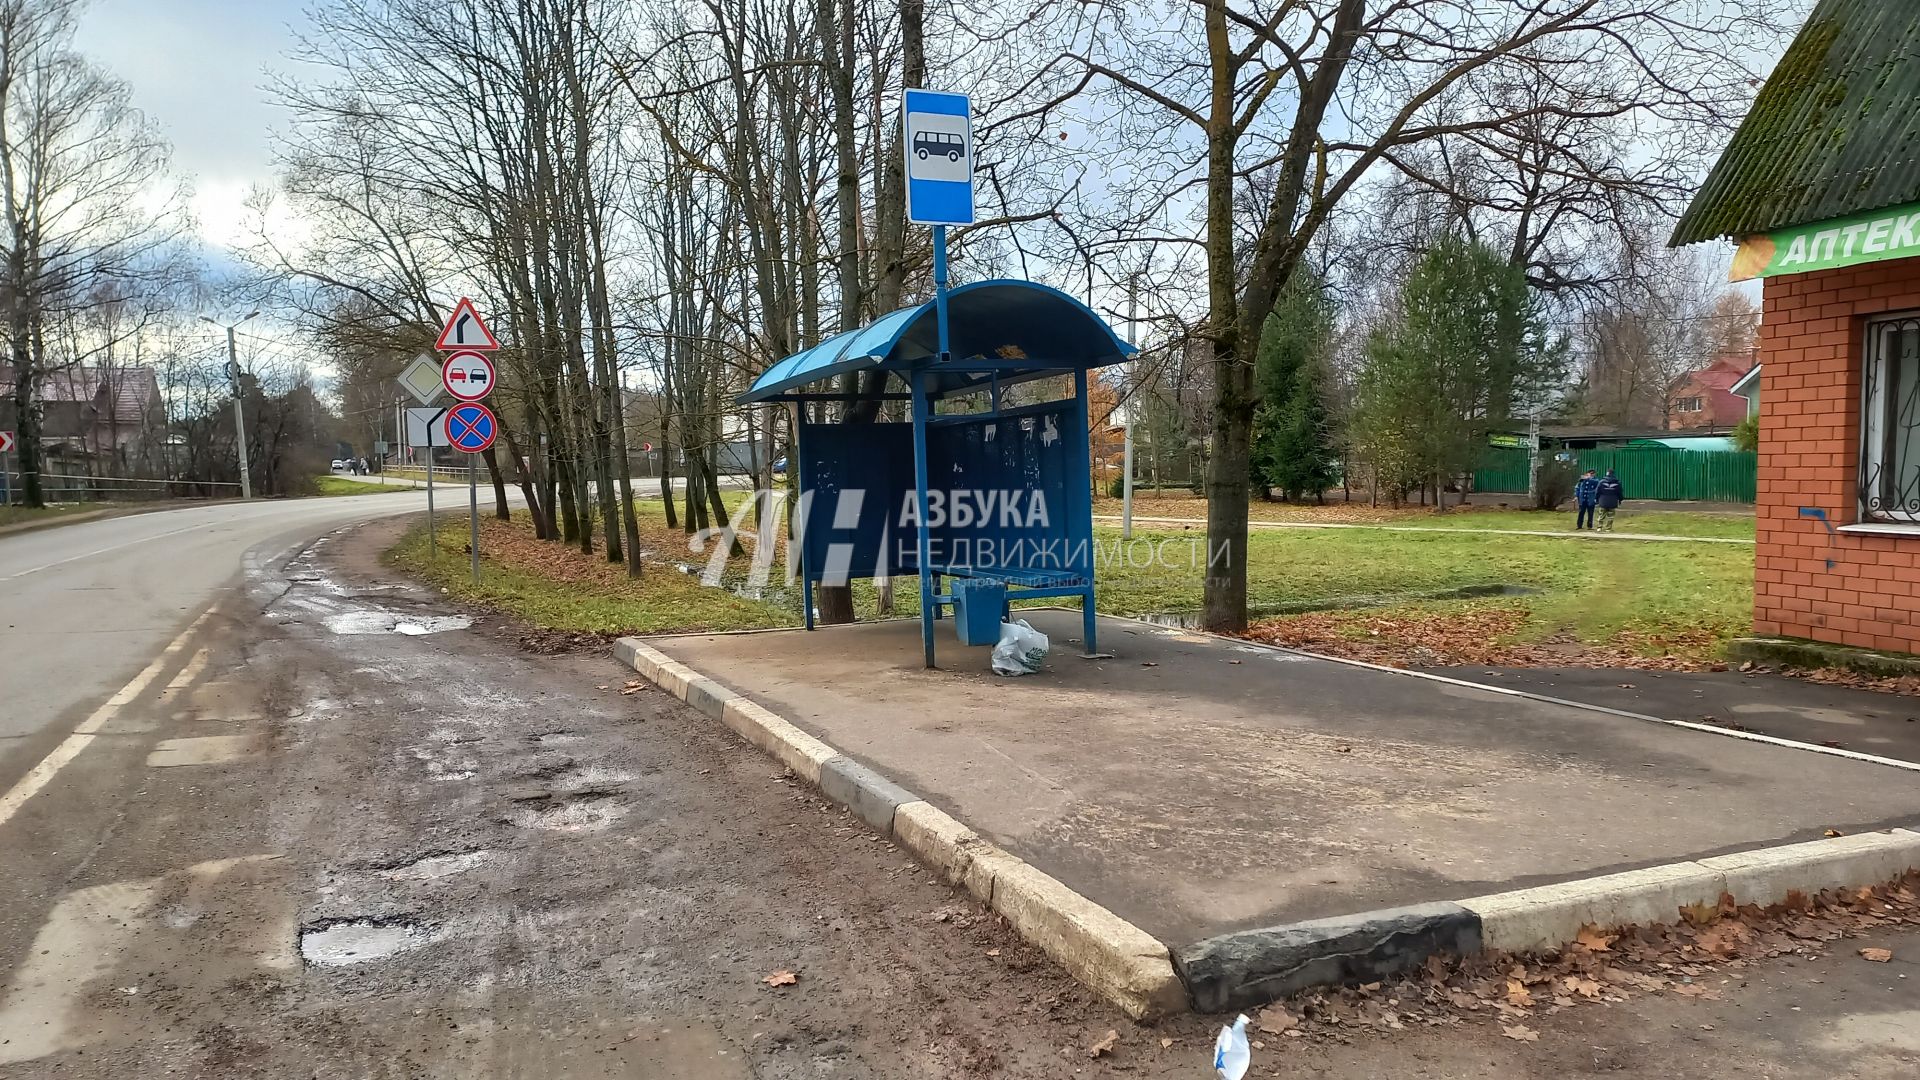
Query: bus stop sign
[{"x": 939, "y": 148}]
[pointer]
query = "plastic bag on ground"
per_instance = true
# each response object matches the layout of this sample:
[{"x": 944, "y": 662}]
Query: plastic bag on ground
[
  {"x": 1231, "y": 1054},
  {"x": 1020, "y": 651}
]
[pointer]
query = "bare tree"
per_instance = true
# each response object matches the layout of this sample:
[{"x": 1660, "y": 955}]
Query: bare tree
[{"x": 77, "y": 162}]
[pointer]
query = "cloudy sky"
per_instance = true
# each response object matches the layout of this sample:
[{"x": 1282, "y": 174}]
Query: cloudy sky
[{"x": 197, "y": 68}]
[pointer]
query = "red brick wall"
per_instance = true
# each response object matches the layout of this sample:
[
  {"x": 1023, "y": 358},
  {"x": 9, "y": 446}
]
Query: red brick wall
[{"x": 1811, "y": 343}]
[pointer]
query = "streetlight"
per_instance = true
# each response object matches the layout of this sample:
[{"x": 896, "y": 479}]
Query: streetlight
[{"x": 239, "y": 424}]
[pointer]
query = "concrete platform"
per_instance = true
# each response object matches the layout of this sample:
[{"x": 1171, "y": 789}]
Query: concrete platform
[{"x": 1197, "y": 787}]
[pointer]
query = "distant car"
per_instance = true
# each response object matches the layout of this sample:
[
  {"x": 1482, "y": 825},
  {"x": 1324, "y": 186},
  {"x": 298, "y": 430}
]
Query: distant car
[
  {"x": 339, "y": 465},
  {"x": 780, "y": 467}
]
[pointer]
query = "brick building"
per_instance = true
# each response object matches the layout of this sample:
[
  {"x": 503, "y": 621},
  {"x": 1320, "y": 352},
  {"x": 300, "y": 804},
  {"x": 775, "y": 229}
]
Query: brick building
[
  {"x": 1819, "y": 187},
  {"x": 1704, "y": 400}
]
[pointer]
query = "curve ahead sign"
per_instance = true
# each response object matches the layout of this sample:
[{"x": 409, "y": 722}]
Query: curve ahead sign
[{"x": 471, "y": 428}]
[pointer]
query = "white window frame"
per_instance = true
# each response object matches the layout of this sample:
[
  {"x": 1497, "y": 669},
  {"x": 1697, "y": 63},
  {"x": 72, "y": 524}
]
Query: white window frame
[{"x": 1878, "y": 421}]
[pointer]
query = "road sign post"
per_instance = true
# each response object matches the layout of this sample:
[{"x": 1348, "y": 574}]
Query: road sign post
[
  {"x": 471, "y": 428},
  {"x": 469, "y": 376},
  {"x": 938, "y": 141},
  {"x": 7, "y": 439}
]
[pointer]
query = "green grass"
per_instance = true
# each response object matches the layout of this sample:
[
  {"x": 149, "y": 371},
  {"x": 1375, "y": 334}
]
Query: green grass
[
  {"x": 557, "y": 588},
  {"x": 340, "y": 485},
  {"x": 1599, "y": 592},
  {"x": 20, "y": 515},
  {"x": 1592, "y": 591}
]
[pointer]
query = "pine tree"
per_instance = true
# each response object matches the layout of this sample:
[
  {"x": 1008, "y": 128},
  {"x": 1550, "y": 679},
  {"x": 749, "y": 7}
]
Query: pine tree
[
  {"x": 1467, "y": 352},
  {"x": 1292, "y": 448}
]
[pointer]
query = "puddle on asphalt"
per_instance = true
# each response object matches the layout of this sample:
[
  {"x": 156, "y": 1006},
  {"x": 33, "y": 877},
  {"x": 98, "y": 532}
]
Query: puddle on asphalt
[
  {"x": 356, "y": 941},
  {"x": 392, "y": 622}
]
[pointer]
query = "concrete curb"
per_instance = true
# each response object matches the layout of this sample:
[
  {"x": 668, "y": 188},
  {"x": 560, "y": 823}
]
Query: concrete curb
[
  {"x": 1122, "y": 963},
  {"x": 1240, "y": 970},
  {"x": 1140, "y": 976}
]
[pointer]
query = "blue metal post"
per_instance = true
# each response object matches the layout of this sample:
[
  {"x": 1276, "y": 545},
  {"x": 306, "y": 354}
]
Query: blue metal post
[
  {"x": 940, "y": 288},
  {"x": 799, "y": 510},
  {"x": 1084, "y": 511},
  {"x": 915, "y": 381}
]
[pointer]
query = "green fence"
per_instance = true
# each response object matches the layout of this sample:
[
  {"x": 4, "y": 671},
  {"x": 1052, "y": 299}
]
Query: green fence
[{"x": 1697, "y": 475}]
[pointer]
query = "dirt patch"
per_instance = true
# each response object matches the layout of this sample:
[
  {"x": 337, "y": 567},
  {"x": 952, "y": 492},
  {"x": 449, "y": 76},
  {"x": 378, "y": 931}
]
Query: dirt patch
[{"x": 1482, "y": 635}]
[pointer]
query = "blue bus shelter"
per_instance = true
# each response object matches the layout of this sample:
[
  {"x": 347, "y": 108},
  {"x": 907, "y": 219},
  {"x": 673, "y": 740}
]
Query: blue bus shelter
[{"x": 986, "y": 501}]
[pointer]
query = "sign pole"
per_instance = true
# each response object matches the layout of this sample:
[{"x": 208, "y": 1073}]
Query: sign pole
[
  {"x": 473, "y": 515},
  {"x": 433, "y": 538}
]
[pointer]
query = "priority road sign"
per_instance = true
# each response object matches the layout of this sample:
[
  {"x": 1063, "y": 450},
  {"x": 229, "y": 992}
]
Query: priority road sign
[
  {"x": 471, "y": 427},
  {"x": 6, "y": 442},
  {"x": 464, "y": 330},
  {"x": 468, "y": 376},
  {"x": 939, "y": 149},
  {"x": 421, "y": 378}
]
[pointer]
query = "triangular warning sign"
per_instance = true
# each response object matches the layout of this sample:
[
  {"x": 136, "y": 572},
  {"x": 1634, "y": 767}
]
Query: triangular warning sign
[{"x": 465, "y": 331}]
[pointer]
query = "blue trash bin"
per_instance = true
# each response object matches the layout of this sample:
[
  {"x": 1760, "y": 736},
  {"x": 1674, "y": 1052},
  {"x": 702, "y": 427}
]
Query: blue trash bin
[{"x": 977, "y": 604}]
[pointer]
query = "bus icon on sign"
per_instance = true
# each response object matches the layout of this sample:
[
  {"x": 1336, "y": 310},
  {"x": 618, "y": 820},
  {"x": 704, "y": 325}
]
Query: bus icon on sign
[{"x": 928, "y": 144}]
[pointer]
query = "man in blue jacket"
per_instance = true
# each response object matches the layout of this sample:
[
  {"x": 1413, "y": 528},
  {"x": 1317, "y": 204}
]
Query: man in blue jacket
[
  {"x": 1586, "y": 494},
  {"x": 1609, "y": 496}
]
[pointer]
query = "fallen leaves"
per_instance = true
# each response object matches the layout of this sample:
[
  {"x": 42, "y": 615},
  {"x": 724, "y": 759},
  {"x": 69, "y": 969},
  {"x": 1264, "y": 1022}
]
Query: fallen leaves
[
  {"x": 1105, "y": 1045},
  {"x": 634, "y": 686},
  {"x": 781, "y": 978},
  {"x": 1694, "y": 957},
  {"x": 1276, "y": 1020},
  {"x": 1593, "y": 939}
]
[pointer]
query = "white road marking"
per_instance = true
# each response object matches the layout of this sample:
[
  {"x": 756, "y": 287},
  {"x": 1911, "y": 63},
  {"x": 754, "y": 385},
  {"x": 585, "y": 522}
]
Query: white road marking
[
  {"x": 62, "y": 755},
  {"x": 100, "y": 551},
  {"x": 206, "y": 750},
  {"x": 189, "y": 673}
]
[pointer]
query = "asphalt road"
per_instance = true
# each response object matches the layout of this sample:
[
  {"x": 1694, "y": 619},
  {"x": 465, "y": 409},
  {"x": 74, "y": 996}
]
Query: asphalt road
[
  {"x": 84, "y": 607},
  {"x": 305, "y": 821}
]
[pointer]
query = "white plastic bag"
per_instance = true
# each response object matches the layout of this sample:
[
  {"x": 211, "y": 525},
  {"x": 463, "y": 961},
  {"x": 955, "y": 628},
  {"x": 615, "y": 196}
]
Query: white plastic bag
[
  {"x": 1020, "y": 651},
  {"x": 1231, "y": 1054}
]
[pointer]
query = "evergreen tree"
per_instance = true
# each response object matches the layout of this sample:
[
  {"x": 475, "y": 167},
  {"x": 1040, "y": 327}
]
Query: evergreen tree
[
  {"x": 1292, "y": 445},
  {"x": 1467, "y": 352}
]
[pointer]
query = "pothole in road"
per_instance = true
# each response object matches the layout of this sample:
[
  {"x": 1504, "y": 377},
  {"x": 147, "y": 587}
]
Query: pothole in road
[
  {"x": 584, "y": 813},
  {"x": 555, "y": 738},
  {"x": 343, "y": 942},
  {"x": 436, "y": 866},
  {"x": 379, "y": 621}
]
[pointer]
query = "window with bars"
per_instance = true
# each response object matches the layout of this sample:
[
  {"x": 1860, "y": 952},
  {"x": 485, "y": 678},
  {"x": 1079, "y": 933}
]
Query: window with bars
[{"x": 1890, "y": 426}]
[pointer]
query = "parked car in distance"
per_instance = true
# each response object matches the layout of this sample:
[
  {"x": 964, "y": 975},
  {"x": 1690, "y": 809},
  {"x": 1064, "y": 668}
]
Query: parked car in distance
[
  {"x": 339, "y": 465},
  {"x": 780, "y": 466}
]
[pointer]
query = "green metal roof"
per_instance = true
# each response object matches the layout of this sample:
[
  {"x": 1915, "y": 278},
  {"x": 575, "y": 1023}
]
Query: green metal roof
[{"x": 1835, "y": 131}]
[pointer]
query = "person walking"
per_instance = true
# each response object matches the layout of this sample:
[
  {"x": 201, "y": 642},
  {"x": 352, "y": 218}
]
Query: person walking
[
  {"x": 1586, "y": 494},
  {"x": 1608, "y": 496}
]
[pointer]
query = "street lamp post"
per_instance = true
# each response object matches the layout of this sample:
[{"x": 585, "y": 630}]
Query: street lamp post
[{"x": 239, "y": 421}]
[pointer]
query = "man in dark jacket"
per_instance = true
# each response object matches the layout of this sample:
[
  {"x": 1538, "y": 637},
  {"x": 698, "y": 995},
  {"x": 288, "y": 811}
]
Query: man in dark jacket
[
  {"x": 1586, "y": 495},
  {"x": 1609, "y": 495}
]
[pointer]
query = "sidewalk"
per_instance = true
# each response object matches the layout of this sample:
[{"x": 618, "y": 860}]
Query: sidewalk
[{"x": 1114, "y": 519}]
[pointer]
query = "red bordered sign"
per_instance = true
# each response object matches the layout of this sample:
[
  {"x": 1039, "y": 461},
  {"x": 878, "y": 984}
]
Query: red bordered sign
[
  {"x": 465, "y": 331},
  {"x": 471, "y": 427},
  {"x": 468, "y": 376},
  {"x": 6, "y": 442}
]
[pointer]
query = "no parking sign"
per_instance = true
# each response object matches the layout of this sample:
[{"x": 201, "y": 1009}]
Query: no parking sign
[{"x": 471, "y": 427}]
